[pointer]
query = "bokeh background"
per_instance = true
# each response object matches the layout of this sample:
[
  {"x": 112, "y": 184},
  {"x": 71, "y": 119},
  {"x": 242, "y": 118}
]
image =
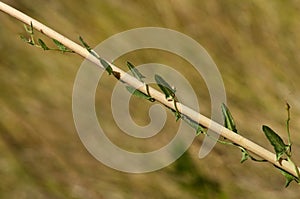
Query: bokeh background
[{"x": 255, "y": 45}]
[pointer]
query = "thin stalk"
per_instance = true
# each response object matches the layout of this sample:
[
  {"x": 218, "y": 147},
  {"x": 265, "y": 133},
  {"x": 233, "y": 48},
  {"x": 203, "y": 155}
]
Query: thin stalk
[
  {"x": 288, "y": 124},
  {"x": 158, "y": 96}
]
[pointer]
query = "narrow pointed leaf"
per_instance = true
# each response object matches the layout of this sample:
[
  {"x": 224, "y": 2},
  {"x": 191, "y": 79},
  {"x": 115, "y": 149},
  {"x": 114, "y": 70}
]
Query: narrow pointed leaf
[
  {"x": 106, "y": 65},
  {"x": 138, "y": 93},
  {"x": 60, "y": 46},
  {"x": 26, "y": 40},
  {"x": 199, "y": 128},
  {"x": 29, "y": 29},
  {"x": 165, "y": 87},
  {"x": 135, "y": 72},
  {"x": 43, "y": 45},
  {"x": 228, "y": 119},
  {"x": 85, "y": 44},
  {"x": 279, "y": 146}
]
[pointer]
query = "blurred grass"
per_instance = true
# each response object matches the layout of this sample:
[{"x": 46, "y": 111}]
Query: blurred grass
[{"x": 255, "y": 45}]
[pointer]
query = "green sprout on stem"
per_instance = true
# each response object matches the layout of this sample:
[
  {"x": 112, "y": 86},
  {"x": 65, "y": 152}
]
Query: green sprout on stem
[
  {"x": 230, "y": 124},
  {"x": 169, "y": 93},
  {"x": 283, "y": 151},
  {"x": 136, "y": 73},
  {"x": 40, "y": 43}
]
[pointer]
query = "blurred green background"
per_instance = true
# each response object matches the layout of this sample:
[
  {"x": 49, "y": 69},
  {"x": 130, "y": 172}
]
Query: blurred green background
[{"x": 255, "y": 45}]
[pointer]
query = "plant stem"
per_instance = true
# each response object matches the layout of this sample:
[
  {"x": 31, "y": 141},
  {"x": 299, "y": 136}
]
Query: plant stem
[
  {"x": 288, "y": 124},
  {"x": 158, "y": 96}
]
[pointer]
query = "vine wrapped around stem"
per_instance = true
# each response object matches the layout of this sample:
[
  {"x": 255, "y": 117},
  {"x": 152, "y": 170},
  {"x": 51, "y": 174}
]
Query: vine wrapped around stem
[{"x": 241, "y": 141}]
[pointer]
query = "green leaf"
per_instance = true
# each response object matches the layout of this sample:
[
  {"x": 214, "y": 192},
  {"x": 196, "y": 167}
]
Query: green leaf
[
  {"x": 288, "y": 177},
  {"x": 169, "y": 93},
  {"x": 24, "y": 38},
  {"x": 91, "y": 51},
  {"x": 43, "y": 45},
  {"x": 29, "y": 41},
  {"x": 245, "y": 155},
  {"x": 228, "y": 119},
  {"x": 165, "y": 87},
  {"x": 135, "y": 72},
  {"x": 138, "y": 93},
  {"x": 106, "y": 65},
  {"x": 85, "y": 44},
  {"x": 279, "y": 146},
  {"x": 60, "y": 46},
  {"x": 29, "y": 29},
  {"x": 230, "y": 124},
  {"x": 198, "y": 127}
]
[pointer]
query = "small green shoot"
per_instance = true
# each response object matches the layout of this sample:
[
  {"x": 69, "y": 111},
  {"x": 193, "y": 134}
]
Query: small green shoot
[
  {"x": 29, "y": 29},
  {"x": 86, "y": 46},
  {"x": 140, "y": 77},
  {"x": 43, "y": 45},
  {"x": 28, "y": 41},
  {"x": 165, "y": 88},
  {"x": 198, "y": 127},
  {"x": 40, "y": 43},
  {"x": 288, "y": 107},
  {"x": 138, "y": 93},
  {"x": 60, "y": 46},
  {"x": 228, "y": 119},
  {"x": 104, "y": 63},
  {"x": 135, "y": 72},
  {"x": 282, "y": 150},
  {"x": 230, "y": 124},
  {"x": 245, "y": 155},
  {"x": 169, "y": 93}
]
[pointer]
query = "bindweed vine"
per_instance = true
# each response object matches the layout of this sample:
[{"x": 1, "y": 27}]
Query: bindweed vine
[
  {"x": 282, "y": 159},
  {"x": 40, "y": 43},
  {"x": 283, "y": 151}
]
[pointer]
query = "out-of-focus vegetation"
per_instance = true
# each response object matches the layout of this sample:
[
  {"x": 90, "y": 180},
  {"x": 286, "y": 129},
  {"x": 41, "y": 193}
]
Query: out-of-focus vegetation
[{"x": 255, "y": 44}]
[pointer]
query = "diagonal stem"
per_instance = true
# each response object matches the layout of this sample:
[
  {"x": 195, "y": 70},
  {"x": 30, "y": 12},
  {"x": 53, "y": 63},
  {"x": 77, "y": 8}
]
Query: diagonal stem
[{"x": 201, "y": 119}]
